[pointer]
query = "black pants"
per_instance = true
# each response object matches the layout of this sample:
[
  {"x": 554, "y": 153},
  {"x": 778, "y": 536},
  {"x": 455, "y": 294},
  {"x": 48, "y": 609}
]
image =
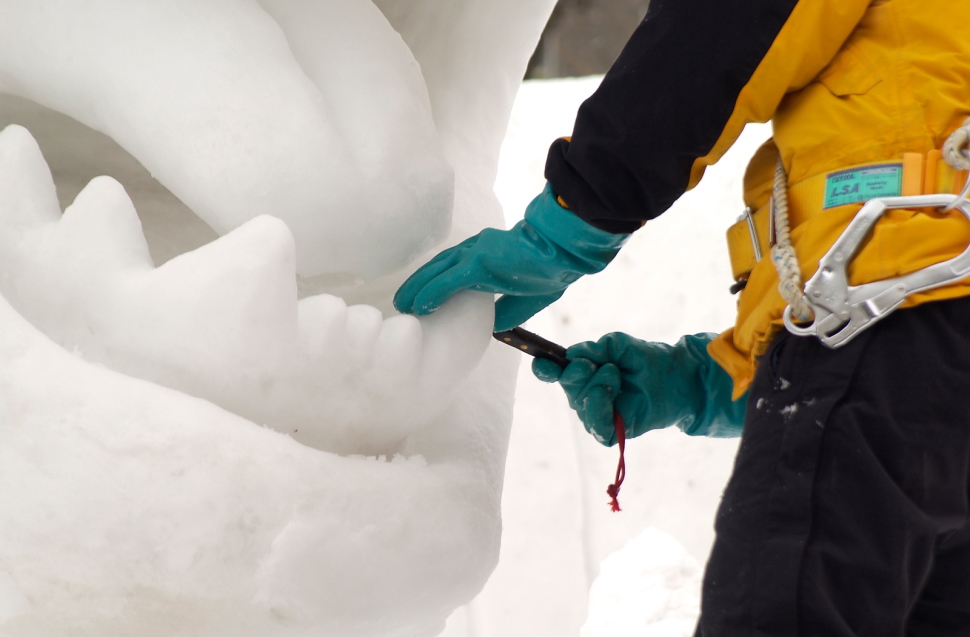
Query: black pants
[{"x": 847, "y": 512}]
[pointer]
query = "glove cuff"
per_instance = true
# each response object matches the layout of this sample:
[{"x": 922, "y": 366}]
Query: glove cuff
[
  {"x": 561, "y": 227},
  {"x": 714, "y": 413}
]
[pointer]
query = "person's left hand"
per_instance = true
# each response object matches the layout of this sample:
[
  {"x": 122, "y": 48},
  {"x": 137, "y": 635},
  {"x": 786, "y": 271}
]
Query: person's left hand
[{"x": 531, "y": 264}]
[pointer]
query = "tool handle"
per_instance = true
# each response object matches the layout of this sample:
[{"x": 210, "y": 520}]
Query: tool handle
[{"x": 533, "y": 345}]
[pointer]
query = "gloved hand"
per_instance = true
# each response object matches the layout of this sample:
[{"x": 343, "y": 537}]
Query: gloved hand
[
  {"x": 653, "y": 385},
  {"x": 531, "y": 264}
]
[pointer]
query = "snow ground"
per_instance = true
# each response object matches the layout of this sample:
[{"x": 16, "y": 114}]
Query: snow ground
[{"x": 559, "y": 535}]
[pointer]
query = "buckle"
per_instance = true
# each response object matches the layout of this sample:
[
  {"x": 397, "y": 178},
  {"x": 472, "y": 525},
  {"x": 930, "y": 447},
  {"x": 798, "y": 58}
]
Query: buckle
[{"x": 748, "y": 215}]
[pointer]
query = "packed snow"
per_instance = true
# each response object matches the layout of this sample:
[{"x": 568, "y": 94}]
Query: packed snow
[{"x": 212, "y": 424}]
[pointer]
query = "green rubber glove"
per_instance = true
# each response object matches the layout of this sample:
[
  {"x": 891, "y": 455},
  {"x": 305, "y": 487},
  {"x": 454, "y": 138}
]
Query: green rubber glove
[
  {"x": 653, "y": 385},
  {"x": 531, "y": 264}
]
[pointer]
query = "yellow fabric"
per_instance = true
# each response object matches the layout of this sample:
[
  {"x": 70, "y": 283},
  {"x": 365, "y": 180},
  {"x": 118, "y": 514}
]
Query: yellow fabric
[
  {"x": 903, "y": 242},
  {"x": 919, "y": 177},
  {"x": 850, "y": 82}
]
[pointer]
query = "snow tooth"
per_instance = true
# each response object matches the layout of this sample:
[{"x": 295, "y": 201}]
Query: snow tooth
[
  {"x": 28, "y": 197},
  {"x": 102, "y": 225},
  {"x": 240, "y": 290},
  {"x": 322, "y": 320},
  {"x": 397, "y": 352},
  {"x": 363, "y": 328},
  {"x": 453, "y": 348}
]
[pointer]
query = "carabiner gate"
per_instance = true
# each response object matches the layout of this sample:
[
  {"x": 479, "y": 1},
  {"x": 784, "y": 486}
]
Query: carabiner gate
[{"x": 842, "y": 310}]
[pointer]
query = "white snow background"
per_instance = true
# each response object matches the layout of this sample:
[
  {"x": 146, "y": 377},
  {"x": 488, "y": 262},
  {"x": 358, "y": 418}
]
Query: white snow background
[{"x": 559, "y": 536}]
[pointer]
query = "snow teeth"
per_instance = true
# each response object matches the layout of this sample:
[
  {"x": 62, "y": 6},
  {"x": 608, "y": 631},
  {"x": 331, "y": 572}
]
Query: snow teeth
[
  {"x": 374, "y": 387},
  {"x": 222, "y": 322}
]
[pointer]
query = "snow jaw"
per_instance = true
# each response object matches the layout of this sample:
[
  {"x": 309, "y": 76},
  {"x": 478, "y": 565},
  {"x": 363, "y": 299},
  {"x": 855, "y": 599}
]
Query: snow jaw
[
  {"x": 222, "y": 322},
  {"x": 301, "y": 147}
]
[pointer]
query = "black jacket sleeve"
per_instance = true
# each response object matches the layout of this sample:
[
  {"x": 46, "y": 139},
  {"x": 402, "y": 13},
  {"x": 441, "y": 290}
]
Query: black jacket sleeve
[{"x": 664, "y": 103}]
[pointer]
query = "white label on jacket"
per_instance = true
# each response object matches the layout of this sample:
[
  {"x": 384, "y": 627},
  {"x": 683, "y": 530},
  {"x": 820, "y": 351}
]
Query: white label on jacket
[{"x": 862, "y": 184}]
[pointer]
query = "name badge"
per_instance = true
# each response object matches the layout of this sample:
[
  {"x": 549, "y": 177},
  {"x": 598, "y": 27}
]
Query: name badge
[{"x": 856, "y": 185}]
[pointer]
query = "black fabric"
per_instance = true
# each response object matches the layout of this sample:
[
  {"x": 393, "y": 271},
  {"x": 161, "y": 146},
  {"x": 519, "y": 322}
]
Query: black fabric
[
  {"x": 847, "y": 512},
  {"x": 663, "y": 104}
]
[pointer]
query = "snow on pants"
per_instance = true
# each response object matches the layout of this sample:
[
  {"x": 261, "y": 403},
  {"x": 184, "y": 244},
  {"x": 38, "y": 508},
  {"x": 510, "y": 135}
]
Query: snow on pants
[{"x": 847, "y": 512}]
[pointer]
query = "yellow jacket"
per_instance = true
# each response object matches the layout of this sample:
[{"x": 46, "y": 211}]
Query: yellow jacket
[{"x": 849, "y": 82}]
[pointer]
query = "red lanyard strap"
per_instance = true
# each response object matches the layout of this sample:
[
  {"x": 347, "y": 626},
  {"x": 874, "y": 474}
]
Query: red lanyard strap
[{"x": 614, "y": 489}]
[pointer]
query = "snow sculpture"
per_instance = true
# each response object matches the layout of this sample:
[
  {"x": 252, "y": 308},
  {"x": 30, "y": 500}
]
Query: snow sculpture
[{"x": 185, "y": 448}]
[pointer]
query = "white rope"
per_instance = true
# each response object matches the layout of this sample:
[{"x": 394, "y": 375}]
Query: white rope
[
  {"x": 955, "y": 154},
  {"x": 955, "y": 147},
  {"x": 783, "y": 252}
]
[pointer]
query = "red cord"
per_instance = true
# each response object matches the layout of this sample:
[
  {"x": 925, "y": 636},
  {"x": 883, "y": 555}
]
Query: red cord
[{"x": 614, "y": 489}]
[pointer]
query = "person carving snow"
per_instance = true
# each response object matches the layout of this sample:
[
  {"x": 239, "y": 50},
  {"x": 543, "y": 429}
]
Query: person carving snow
[{"x": 847, "y": 513}]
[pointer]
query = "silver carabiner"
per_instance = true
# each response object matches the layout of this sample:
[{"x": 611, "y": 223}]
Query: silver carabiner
[{"x": 842, "y": 310}]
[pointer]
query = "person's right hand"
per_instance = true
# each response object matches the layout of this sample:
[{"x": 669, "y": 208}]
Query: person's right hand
[
  {"x": 531, "y": 264},
  {"x": 652, "y": 385}
]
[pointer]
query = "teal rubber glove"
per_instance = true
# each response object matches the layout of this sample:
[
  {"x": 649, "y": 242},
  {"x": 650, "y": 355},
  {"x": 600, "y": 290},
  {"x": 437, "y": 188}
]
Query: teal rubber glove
[
  {"x": 653, "y": 385},
  {"x": 531, "y": 264}
]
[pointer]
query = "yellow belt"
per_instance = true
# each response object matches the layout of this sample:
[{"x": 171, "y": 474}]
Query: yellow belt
[{"x": 752, "y": 236}]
